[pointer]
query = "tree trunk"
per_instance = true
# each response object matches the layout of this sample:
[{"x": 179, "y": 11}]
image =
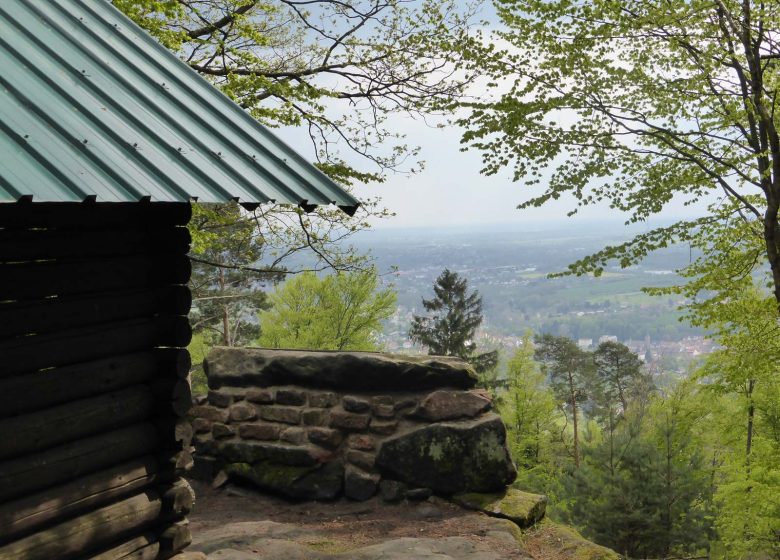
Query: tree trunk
[{"x": 573, "y": 394}]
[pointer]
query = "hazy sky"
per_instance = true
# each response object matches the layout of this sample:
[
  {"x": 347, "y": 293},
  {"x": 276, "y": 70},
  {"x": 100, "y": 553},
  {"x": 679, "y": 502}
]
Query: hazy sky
[{"x": 451, "y": 190}]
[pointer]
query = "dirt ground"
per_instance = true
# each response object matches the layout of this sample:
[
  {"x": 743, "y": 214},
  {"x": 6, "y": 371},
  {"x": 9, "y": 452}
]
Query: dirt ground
[{"x": 344, "y": 525}]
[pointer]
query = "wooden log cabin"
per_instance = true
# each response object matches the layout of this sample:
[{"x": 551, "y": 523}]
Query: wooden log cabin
[{"x": 105, "y": 139}]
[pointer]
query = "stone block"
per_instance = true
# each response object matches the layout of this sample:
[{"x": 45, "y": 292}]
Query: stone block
[
  {"x": 260, "y": 396},
  {"x": 358, "y": 484},
  {"x": 312, "y": 482},
  {"x": 325, "y": 437},
  {"x": 450, "y": 405},
  {"x": 383, "y": 410},
  {"x": 316, "y": 417},
  {"x": 349, "y": 420},
  {"x": 294, "y": 397},
  {"x": 383, "y": 427},
  {"x": 362, "y": 442},
  {"x": 353, "y": 371},
  {"x": 222, "y": 400},
  {"x": 405, "y": 404},
  {"x": 355, "y": 404},
  {"x": 220, "y": 430},
  {"x": 361, "y": 459},
  {"x": 260, "y": 431},
  {"x": 522, "y": 508},
  {"x": 293, "y": 435},
  {"x": 242, "y": 411},
  {"x": 323, "y": 400},
  {"x": 465, "y": 456},
  {"x": 256, "y": 451},
  {"x": 283, "y": 414},
  {"x": 201, "y": 425},
  {"x": 209, "y": 413}
]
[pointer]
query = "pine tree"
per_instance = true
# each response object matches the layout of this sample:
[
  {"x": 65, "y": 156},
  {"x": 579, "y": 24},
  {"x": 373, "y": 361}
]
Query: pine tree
[{"x": 456, "y": 316}]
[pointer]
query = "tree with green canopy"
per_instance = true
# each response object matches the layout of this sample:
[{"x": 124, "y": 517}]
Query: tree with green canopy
[
  {"x": 636, "y": 104},
  {"x": 341, "y": 311},
  {"x": 452, "y": 325},
  {"x": 570, "y": 370},
  {"x": 619, "y": 374}
]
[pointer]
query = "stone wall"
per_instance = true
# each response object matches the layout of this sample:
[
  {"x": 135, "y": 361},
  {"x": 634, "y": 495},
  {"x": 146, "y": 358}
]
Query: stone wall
[{"x": 316, "y": 425}]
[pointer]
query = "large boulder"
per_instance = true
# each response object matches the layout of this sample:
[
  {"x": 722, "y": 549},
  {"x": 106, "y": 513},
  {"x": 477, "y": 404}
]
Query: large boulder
[
  {"x": 355, "y": 371},
  {"x": 451, "y": 457}
]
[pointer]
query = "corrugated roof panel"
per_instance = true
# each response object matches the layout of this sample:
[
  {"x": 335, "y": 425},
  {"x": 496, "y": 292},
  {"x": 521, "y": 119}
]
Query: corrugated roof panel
[{"x": 93, "y": 107}]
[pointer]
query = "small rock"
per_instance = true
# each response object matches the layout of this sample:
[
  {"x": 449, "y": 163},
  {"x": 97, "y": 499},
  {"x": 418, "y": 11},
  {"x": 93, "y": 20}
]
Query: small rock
[
  {"x": 355, "y": 404},
  {"x": 427, "y": 511},
  {"x": 242, "y": 411},
  {"x": 405, "y": 403},
  {"x": 361, "y": 441},
  {"x": 219, "y": 480},
  {"x": 418, "y": 494},
  {"x": 392, "y": 491},
  {"x": 359, "y": 485},
  {"x": 199, "y": 400},
  {"x": 293, "y": 397},
  {"x": 325, "y": 437},
  {"x": 349, "y": 420},
  {"x": 323, "y": 400},
  {"x": 449, "y": 405},
  {"x": 261, "y": 396}
]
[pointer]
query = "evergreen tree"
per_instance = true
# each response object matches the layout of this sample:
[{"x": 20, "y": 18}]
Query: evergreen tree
[
  {"x": 619, "y": 375},
  {"x": 450, "y": 330},
  {"x": 569, "y": 370}
]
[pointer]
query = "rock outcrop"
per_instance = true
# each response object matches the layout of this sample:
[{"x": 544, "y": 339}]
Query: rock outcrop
[{"x": 316, "y": 425}]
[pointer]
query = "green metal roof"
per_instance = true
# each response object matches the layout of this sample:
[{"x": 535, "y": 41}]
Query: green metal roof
[{"x": 93, "y": 108}]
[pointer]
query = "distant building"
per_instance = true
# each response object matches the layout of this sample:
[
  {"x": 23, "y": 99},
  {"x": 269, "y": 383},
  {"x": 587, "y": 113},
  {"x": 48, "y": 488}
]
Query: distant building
[
  {"x": 585, "y": 343},
  {"x": 607, "y": 338}
]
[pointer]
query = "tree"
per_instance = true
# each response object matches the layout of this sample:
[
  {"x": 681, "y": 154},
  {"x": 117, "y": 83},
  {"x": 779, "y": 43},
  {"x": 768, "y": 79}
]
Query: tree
[
  {"x": 569, "y": 370},
  {"x": 619, "y": 373},
  {"x": 456, "y": 315},
  {"x": 637, "y": 104},
  {"x": 336, "y": 68},
  {"x": 337, "y": 312},
  {"x": 226, "y": 297}
]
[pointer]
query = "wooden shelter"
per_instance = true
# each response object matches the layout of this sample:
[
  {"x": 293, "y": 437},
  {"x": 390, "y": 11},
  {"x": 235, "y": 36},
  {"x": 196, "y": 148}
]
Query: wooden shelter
[{"x": 105, "y": 138}]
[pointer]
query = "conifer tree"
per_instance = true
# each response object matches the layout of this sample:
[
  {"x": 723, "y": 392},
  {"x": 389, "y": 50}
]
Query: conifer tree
[{"x": 450, "y": 330}]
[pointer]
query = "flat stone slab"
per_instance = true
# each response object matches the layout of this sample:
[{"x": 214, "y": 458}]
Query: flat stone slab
[
  {"x": 350, "y": 371},
  {"x": 267, "y": 540},
  {"x": 522, "y": 508}
]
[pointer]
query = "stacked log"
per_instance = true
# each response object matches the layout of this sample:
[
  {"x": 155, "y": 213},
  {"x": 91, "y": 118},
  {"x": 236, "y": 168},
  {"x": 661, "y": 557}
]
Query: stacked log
[{"x": 93, "y": 380}]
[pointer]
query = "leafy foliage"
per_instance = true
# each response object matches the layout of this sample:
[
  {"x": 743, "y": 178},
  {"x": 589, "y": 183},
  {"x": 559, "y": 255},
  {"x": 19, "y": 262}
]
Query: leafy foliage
[
  {"x": 338, "y": 312},
  {"x": 637, "y": 104},
  {"x": 456, "y": 315}
]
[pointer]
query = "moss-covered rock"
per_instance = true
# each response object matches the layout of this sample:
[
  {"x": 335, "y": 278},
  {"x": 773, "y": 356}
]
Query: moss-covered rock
[
  {"x": 522, "y": 508},
  {"x": 568, "y": 544},
  {"x": 451, "y": 457},
  {"x": 318, "y": 482}
]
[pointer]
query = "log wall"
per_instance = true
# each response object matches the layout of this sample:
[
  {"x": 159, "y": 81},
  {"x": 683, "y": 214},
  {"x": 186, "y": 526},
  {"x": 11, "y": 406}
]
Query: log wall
[{"x": 93, "y": 380}]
